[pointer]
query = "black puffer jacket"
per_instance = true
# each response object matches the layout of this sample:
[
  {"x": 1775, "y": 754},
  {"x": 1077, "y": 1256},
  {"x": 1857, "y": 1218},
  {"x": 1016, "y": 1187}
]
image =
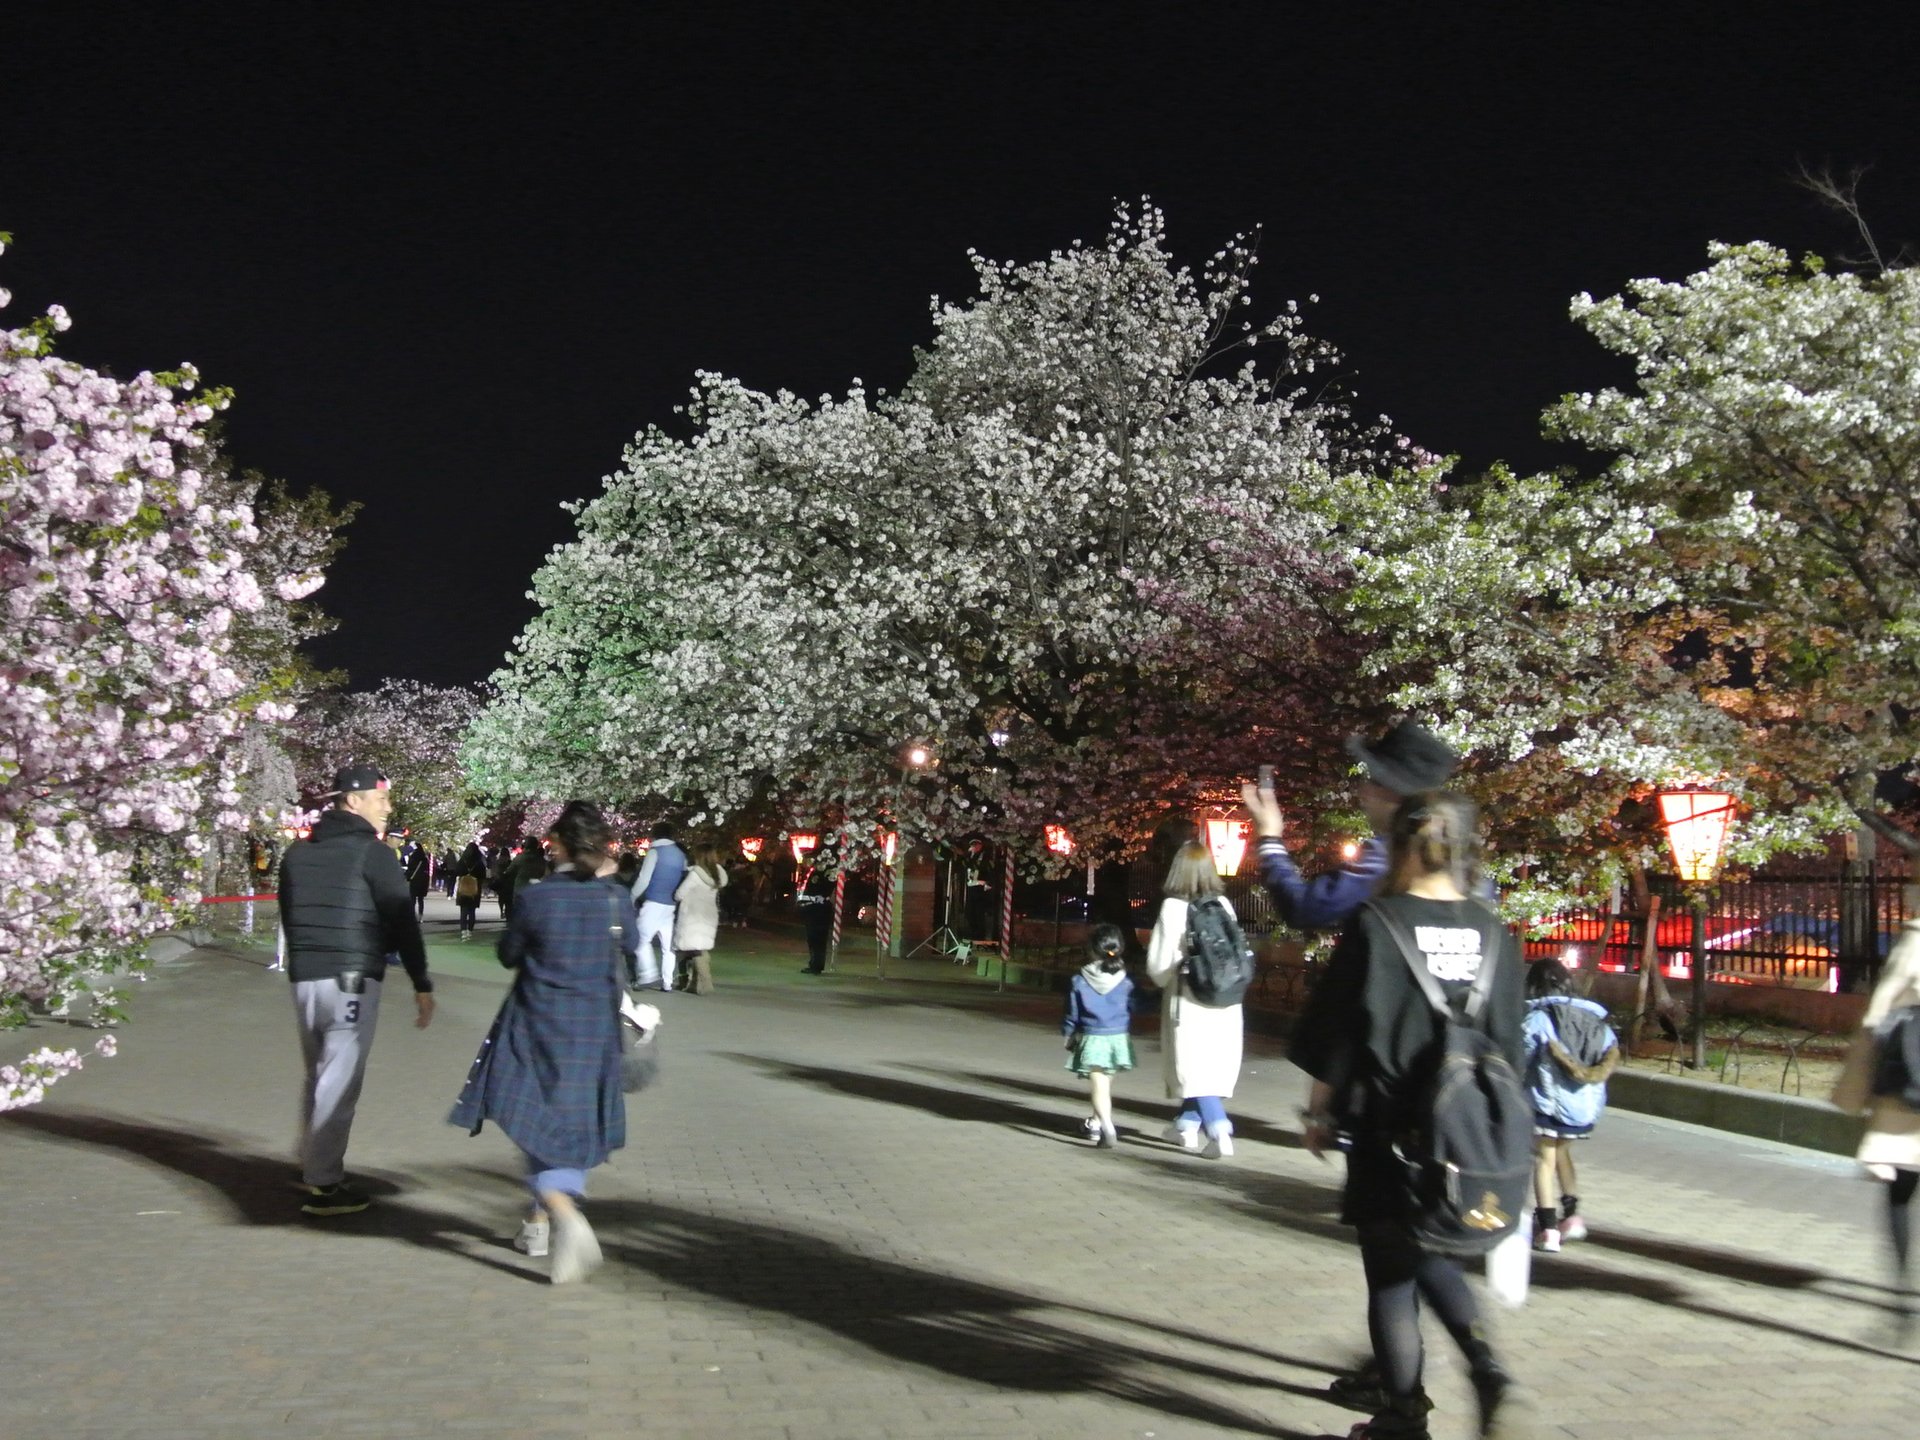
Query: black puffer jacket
[{"x": 345, "y": 905}]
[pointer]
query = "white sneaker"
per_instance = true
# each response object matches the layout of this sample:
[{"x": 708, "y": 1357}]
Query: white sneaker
[
  {"x": 1219, "y": 1144},
  {"x": 1572, "y": 1227},
  {"x": 1548, "y": 1240},
  {"x": 1186, "y": 1138},
  {"x": 576, "y": 1253},
  {"x": 532, "y": 1239}
]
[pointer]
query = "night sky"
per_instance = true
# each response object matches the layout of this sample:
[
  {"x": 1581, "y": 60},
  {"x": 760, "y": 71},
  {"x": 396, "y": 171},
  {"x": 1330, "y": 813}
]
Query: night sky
[{"x": 451, "y": 257}]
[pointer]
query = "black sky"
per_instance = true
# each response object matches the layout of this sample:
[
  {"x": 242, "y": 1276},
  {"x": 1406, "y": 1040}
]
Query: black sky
[{"x": 450, "y": 257}]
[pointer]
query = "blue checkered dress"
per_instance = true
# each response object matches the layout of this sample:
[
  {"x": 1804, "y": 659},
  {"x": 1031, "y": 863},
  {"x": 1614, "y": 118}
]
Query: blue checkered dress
[{"x": 549, "y": 1071}]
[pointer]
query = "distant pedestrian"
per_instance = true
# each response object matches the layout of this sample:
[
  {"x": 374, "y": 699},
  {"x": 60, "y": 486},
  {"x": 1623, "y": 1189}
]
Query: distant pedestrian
[
  {"x": 444, "y": 868},
  {"x": 697, "y": 926},
  {"x": 528, "y": 868},
  {"x": 1571, "y": 1050},
  {"x": 1200, "y": 1042},
  {"x": 1099, "y": 1005},
  {"x": 497, "y": 864},
  {"x": 1890, "y": 1148},
  {"x": 1372, "y": 1041},
  {"x": 344, "y": 907},
  {"x": 416, "y": 861},
  {"x": 549, "y": 1072},
  {"x": 653, "y": 891},
  {"x": 1408, "y": 760},
  {"x": 470, "y": 883},
  {"x": 815, "y": 903}
]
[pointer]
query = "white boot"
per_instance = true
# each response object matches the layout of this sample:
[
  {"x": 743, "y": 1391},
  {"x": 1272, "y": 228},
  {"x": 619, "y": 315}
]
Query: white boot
[
  {"x": 1187, "y": 1137},
  {"x": 1219, "y": 1140}
]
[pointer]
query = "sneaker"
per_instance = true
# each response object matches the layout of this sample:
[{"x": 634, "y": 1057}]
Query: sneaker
[
  {"x": 1548, "y": 1240},
  {"x": 340, "y": 1199},
  {"x": 532, "y": 1239},
  {"x": 1219, "y": 1143},
  {"x": 1106, "y": 1139},
  {"x": 1402, "y": 1422},
  {"x": 1185, "y": 1138},
  {"x": 1091, "y": 1125},
  {"x": 576, "y": 1253},
  {"x": 1572, "y": 1227},
  {"x": 1362, "y": 1390}
]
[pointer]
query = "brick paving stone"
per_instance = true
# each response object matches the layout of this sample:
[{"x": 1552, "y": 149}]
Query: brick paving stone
[{"x": 847, "y": 1209}]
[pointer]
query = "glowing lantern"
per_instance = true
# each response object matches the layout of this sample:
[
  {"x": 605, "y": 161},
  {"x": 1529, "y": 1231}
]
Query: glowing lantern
[
  {"x": 751, "y": 846},
  {"x": 1696, "y": 822},
  {"x": 1058, "y": 840},
  {"x": 918, "y": 755},
  {"x": 1227, "y": 839},
  {"x": 889, "y": 842},
  {"x": 802, "y": 843}
]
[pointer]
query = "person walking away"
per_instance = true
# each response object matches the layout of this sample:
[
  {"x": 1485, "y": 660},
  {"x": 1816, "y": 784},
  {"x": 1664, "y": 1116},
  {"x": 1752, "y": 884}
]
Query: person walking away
[
  {"x": 1875, "y": 1081},
  {"x": 344, "y": 907},
  {"x": 1407, "y": 760},
  {"x": 1200, "y": 1042},
  {"x": 697, "y": 927},
  {"x": 815, "y": 902},
  {"x": 529, "y": 867},
  {"x": 416, "y": 862},
  {"x": 653, "y": 891},
  {"x": 549, "y": 1072},
  {"x": 470, "y": 883},
  {"x": 445, "y": 873},
  {"x": 1372, "y": 1041},
  {"x": 1098, "y": 1017},
  {"x": 1571, "y": 1050}
]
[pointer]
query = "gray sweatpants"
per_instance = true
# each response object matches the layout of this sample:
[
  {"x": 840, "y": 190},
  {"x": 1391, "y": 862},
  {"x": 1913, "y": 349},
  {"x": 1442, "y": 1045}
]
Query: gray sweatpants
[{"x": 336, "y": 1034}]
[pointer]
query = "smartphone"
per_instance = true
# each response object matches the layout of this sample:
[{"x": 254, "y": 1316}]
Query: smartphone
[{"x": 1266, "y": 778}]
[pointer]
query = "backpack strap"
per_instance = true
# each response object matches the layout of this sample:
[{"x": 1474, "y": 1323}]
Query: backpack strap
[{"x": 1477, "y": 994}]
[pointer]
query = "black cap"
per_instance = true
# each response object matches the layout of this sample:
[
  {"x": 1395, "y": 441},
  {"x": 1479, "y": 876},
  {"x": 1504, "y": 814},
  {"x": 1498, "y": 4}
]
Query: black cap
[
  {"x": 1407, "y": 760},
  {"x": 358, "y": 777}
]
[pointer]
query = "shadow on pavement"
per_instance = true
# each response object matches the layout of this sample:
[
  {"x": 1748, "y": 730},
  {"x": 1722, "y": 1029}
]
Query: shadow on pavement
[
  {"x": 261, "y": 1189},
  {"x": 1733, "y": 1265},
  {"x": 942, "y": 1100},
  {"x": 974, "y": 1331}
]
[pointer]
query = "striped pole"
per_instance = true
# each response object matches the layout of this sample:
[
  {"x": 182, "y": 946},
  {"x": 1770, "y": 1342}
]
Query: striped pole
[
  {"x": 883, "y": 919},
  {"x": 1006, "y": 920},
  {"x": 839, "y": 914}
]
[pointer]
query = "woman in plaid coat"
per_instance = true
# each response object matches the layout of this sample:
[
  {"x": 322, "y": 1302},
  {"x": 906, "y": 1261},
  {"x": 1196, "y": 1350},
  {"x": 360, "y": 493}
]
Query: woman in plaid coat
[{"x": 549, "y": 1072}]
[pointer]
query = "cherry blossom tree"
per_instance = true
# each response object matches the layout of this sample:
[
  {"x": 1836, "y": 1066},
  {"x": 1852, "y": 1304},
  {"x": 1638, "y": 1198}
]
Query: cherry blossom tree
[
  {"x": 129, "y": 573},
  {"x": 1022, "y": 561},
  {"x": 413, "y": 732}
]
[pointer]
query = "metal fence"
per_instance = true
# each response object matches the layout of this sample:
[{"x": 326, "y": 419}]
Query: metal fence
[{"x": 1813, "y": 932}]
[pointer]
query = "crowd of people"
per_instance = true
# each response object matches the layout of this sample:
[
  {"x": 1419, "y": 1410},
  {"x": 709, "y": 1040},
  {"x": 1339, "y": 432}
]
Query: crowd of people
[{"x": 1430, "y": 1042}]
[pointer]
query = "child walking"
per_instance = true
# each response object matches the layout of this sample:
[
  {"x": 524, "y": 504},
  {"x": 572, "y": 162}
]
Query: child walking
[
  {"x": 1096, "y": 1024},
  {"x": 1571, "y": 1050}
]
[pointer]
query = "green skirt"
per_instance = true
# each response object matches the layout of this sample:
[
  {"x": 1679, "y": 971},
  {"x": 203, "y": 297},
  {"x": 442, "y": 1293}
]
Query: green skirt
[{"x": 1100, "y": 1052}]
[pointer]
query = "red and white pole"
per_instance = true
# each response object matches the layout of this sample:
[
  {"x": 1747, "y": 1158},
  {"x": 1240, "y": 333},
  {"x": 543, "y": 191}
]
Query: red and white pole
[
  {"x": 1006, "y": 919},
  {"x": 839, "y": 915},
  {"x": 883, "y": 912}
]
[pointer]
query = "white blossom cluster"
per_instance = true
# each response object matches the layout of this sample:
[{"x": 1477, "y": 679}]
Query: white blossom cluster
[{"x": 1025, "y": 561}]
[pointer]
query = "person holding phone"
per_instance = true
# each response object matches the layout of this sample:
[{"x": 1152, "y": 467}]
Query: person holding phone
[{"x": 1408, "y": 760}]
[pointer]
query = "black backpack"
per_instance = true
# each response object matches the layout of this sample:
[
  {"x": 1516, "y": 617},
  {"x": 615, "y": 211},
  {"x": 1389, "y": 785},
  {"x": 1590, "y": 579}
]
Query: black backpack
[
  {"x": 1469, "y": 1153},
  {"x": 1896, "y": 1057},
  {"x": 1219, "y": 966}
]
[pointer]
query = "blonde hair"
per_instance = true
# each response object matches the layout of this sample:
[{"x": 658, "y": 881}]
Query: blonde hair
[
  {"x": 1191, "y": 876},
  {"x": 1435, "y": 833}
]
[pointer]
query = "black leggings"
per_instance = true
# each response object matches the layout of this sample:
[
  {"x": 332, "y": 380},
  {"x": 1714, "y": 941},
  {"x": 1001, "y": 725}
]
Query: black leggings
[
  {"x": 1399, "y": 1273},
  {"x": 1900, "y": 1216}
]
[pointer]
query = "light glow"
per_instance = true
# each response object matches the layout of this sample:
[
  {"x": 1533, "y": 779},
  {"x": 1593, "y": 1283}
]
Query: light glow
[
  {"x": 1227, "y": 839},
  {"x": 751, "y": 846},
  {"x": 1696, "y": 822},
  {"x": 801, "y": 844},
  {"x": 1058, "y": 840}
]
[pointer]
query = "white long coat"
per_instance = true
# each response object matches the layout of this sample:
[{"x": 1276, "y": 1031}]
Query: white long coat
[
  {"x": 698, "y": 923},
  {"x": 1892, "y": 1140},
  {"x": 1199, "y": 1044}
]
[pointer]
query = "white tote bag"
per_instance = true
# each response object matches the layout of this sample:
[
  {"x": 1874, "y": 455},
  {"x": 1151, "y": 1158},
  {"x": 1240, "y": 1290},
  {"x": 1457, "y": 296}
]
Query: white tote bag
[{"x": 1510, "y": 1265}]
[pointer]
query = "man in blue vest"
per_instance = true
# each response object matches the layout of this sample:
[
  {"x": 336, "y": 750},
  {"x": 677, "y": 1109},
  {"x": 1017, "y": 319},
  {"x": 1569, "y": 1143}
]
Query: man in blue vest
[
  {"x": 1408, "y": 760},
  {"x": 653, "y": 892}
]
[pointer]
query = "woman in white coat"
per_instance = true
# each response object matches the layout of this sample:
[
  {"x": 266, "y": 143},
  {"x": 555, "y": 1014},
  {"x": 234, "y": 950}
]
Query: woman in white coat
[
  {"x": 1200, "y": 1043},
  {"x": 697, "y": 921},
  {"x": 1890, "y": 1149}
]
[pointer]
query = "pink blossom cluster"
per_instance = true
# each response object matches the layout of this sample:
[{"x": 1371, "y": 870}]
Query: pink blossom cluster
[
  {"x": 26, "y": 1083},
  {"x": 121, "y": 689}
]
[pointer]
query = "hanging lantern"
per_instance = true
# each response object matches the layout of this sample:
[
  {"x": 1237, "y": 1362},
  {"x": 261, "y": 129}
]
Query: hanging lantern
[
  {"x": 801, "y": 844},
  {"x": 889, "y": 843},
  {"x": 751, "y": 846},
  {"x": 1696, "y": 821},
  {"x": 1058, "y": 840},
  {"x": 1227, "y": 839}
]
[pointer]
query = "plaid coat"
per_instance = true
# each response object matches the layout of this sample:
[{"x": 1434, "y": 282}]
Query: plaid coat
[{"x": 549, "y": 1071}]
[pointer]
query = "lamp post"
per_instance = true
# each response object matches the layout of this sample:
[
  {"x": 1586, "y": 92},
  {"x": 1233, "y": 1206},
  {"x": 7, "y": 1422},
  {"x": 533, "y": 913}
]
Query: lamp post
[
  {"x": 1059, "y": 842},
  {"x": 1227, "y": 839},
  {"x": 1696, "y": 819}
]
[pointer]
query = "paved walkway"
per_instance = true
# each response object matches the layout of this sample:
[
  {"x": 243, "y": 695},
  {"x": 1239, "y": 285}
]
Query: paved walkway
[{"x": 850, "y": 1209}]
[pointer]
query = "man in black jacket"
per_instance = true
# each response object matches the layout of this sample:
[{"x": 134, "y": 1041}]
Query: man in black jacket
[{"x": 345, "y": 907}]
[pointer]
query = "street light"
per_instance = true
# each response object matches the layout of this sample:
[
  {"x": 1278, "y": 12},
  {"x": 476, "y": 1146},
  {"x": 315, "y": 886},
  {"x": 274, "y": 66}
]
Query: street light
[
  {"x": 1227, "y": 839},
  {"x": 800, "y": 844},
  {"x": 1058, "y": 840},
  {"x": 1696, "y": 819},
  {"x": 751, "y": 846}
]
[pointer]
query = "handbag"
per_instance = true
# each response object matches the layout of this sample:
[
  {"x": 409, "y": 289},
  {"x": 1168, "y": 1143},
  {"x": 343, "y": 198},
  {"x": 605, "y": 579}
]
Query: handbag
[{"x": 639, "y": 1024}]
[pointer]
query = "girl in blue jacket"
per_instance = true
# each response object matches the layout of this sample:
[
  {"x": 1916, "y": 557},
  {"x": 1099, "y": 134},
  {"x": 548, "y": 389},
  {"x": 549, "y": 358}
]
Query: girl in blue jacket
[
  {"x": 1096, "y": 1023},
  {"x": 1571, "y": 1050}
]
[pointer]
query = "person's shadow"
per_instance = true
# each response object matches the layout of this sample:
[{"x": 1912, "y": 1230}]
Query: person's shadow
[{"x": 258, "y": 1189}]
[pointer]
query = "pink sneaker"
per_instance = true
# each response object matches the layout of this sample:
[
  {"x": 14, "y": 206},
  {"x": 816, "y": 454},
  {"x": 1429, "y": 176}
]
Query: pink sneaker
[
  {"x": 1572, "y": 1227},
  {"x": 1548, "y": 1240}
]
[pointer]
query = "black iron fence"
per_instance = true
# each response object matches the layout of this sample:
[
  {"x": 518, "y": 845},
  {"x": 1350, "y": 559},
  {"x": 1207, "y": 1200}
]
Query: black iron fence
[{"x": 1813, "y": 932}]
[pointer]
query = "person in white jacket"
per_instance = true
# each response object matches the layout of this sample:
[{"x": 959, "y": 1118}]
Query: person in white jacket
[
  {"x": 1200, "y": 1043},
  {"x": 1890, "y": 1148},
  {"x": 698, "y": 923}
]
